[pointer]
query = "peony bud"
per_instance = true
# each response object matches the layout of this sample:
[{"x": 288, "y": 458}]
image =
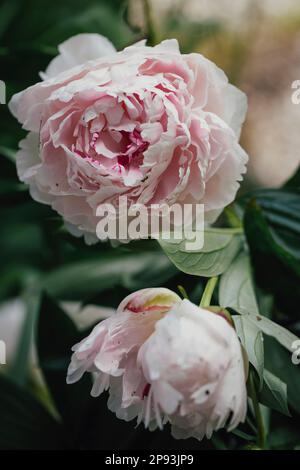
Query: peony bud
[{"x": 165, "y": 359}]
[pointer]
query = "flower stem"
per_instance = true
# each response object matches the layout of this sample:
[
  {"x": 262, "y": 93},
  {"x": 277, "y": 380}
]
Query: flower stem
[
  {"x": 208, "y": 292},
  {"x": 261, "y": 435},
  {"x": 151, "y": 31},
  {"x": 232, "y": 217}
]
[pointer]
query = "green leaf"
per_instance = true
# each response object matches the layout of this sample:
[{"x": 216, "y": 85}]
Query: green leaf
[
  {"x": 243, "y": 435},
  {"x": 87, "y": 278},
  {"x": 19, "y": 369},
  {"x": 24, "y": 423},
  {"x": 278, "y": 222},
  {"x": 237, "y": 292},
  {"x": 236, "y": 289},
  {"x": 279, "y": 362},
  {"x": 220, "y": 248},
  {"x": 272, "y": 227},
  {"x": 8, "y": 153},
  {"x": 274, "y": 393},
  {"x": 252, "y": 340},
  {"x": 270, "y": 328}
]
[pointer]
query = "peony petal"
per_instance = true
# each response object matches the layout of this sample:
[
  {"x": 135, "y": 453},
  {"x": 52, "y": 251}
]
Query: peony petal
[
  {"x": 77, "y": 50},
  {"x": 27, "y": 159}
]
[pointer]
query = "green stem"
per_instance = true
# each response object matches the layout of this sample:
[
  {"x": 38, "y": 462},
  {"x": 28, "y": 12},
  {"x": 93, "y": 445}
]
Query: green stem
[
  {"x": 261, "y": 435},
  {"x": 208, "y": 292},
  {"x": 151, "y": 30},
  {"x": 232, "y": 217}
]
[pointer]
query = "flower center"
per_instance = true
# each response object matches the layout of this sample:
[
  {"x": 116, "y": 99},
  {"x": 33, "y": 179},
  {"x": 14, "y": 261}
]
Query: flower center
[
  {"x": 146, "y": 390},
  {"x": 134, "y": 148},
  {"x": 112, "y": 149}
]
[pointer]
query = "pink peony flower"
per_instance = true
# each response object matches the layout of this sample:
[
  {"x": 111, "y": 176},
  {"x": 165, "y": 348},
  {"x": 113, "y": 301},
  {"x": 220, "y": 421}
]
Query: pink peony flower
[
  {"x": 148, "y": 122},
  {"x": 164, "y": 359}
]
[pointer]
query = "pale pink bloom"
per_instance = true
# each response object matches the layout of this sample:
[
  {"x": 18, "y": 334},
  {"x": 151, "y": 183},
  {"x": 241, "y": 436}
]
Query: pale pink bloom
[
  {"x": 164, "y": 359},
  {"x": 148, "y": 122},
  {"x": 111, "y": 350}
]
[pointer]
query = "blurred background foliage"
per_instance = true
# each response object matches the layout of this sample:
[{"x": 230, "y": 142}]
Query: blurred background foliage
[{"x": 45, "y": 272}]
